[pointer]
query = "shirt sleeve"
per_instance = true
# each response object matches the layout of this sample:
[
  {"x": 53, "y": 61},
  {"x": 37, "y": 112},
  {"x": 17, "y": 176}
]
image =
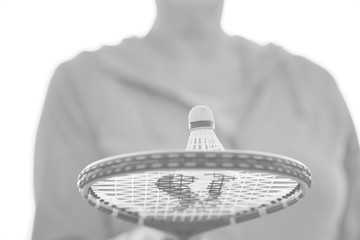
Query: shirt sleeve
[
  {"x": 64, "y": 146},
  {"x": 351, "y": 221},
  {"x": 332, "y": 100}
]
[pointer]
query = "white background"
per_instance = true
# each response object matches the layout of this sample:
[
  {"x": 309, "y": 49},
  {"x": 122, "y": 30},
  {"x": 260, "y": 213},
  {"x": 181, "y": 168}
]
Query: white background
[{"x": 35, "y": 36}]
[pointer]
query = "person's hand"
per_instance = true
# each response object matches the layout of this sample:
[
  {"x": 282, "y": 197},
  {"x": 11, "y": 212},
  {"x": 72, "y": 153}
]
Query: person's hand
[{"x": 145, "y": 233}]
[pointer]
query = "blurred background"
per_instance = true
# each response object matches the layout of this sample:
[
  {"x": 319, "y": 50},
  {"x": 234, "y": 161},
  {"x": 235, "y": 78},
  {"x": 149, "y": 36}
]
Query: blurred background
[{"x": 36, "y": 36}]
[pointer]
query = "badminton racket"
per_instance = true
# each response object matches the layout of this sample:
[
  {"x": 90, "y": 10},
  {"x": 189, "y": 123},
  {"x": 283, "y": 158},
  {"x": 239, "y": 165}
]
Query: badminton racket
[{"x": 186, "y": 193}]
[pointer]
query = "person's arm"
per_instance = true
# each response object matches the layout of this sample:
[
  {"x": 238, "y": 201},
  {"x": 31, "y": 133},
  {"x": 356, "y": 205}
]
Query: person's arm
[
  {"x": 326, "y": 87},
  {"x": 350, "y": 225},
  {"x": 64, "y": 145},
  {"x": 350, "y": 222}
]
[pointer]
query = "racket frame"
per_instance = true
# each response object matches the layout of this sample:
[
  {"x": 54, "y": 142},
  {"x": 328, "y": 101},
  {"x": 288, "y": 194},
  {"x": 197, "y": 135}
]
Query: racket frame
[{"x": 174, "y": 160}]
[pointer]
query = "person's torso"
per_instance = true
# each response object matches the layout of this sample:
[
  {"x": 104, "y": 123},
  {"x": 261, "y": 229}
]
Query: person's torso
[{"x": 132, "y": 117}]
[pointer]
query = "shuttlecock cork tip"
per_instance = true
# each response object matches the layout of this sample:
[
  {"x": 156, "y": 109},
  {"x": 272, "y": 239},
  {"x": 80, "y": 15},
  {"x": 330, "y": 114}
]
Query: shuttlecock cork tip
[{"x": 201, "y": 116}]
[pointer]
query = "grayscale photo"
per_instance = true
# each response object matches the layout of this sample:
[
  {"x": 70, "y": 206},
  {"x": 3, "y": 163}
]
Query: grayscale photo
[{"x": 180, "y": 120}]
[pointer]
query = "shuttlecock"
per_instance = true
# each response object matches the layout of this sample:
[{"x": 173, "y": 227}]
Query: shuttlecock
[{"x": 202, "y": 134}]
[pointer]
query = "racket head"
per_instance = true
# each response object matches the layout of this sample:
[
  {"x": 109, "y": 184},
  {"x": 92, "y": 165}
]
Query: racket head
[{"x": 189, "y": 192}]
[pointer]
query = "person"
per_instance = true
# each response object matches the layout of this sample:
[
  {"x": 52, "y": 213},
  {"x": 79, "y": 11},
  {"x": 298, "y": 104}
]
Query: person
[{"x": 135, "y": 96}]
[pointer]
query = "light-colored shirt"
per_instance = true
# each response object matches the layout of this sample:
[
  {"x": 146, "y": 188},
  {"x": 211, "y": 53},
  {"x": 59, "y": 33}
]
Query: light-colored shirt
[{"x": 119, "y": 99}]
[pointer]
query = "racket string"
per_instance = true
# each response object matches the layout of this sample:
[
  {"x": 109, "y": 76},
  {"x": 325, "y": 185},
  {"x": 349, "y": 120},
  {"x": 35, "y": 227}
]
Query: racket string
[{"x": 194, "y": 196}]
